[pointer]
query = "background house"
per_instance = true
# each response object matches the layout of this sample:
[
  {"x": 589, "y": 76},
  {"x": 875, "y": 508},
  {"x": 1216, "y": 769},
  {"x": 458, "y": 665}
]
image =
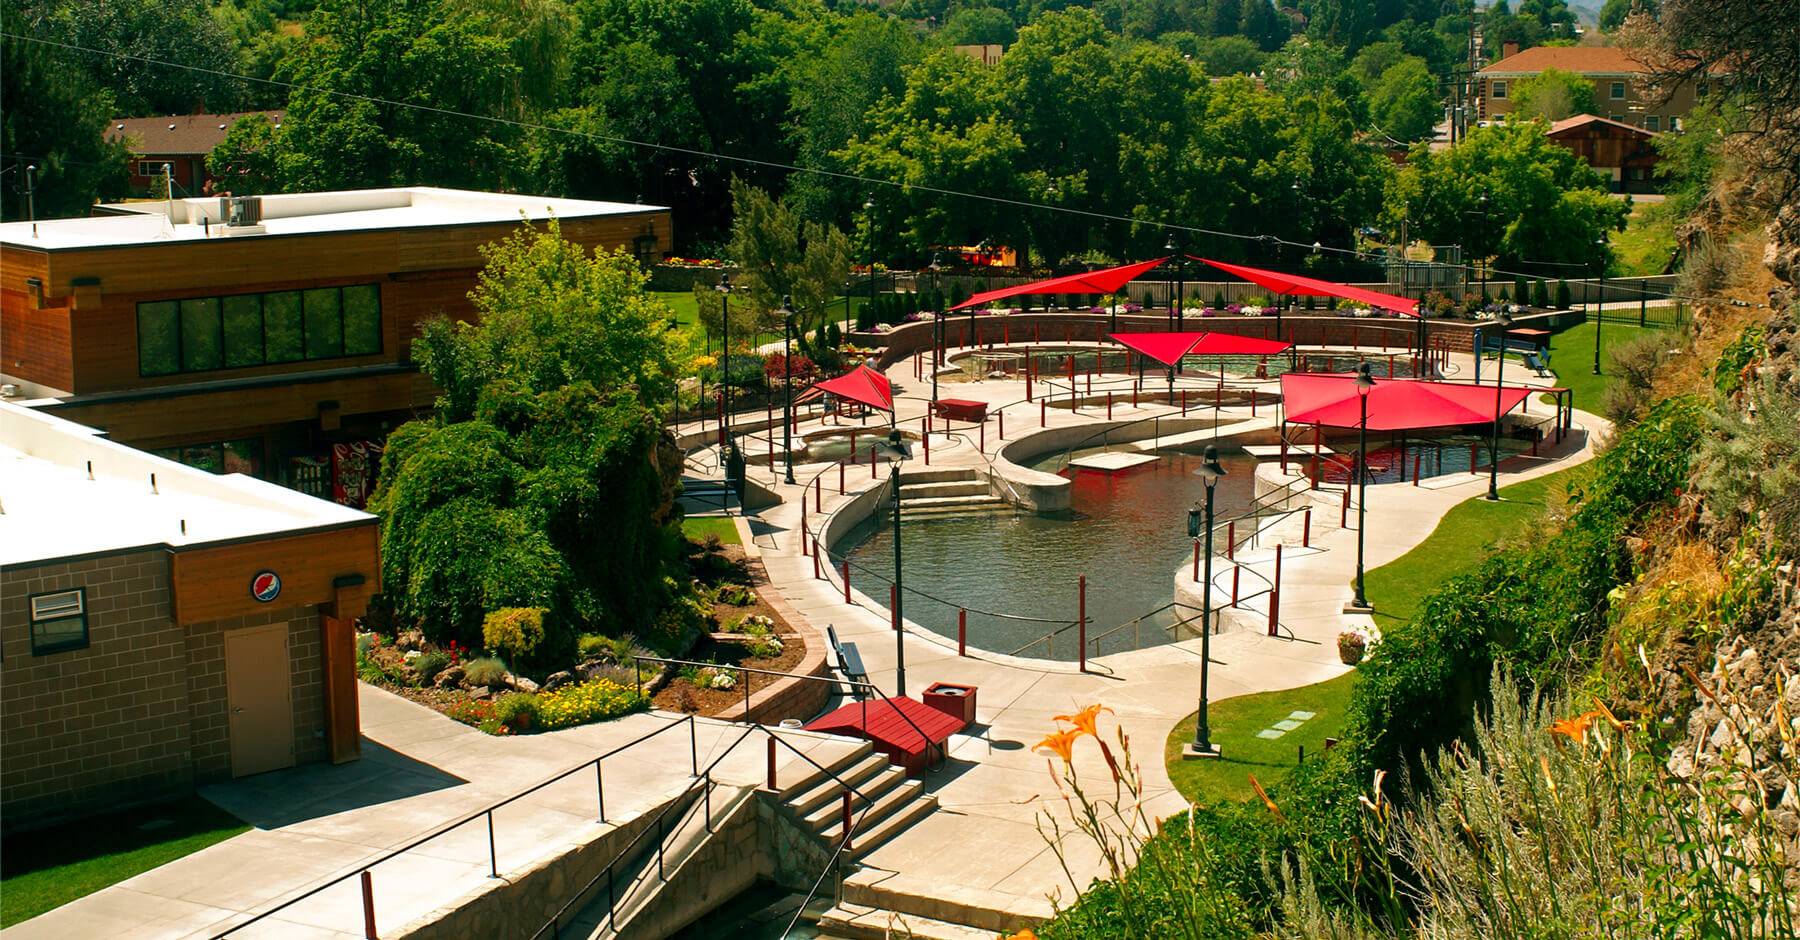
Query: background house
[
  {"x": 182, "y": 141},
  {"x": 1623, "y": 90},
  {"x": 1624, "y": 154}
]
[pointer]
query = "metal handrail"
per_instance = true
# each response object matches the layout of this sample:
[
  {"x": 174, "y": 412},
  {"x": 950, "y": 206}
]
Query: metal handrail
[
  {"x": 1135, "y": 622},
  {"x": 489, "y": 813}
]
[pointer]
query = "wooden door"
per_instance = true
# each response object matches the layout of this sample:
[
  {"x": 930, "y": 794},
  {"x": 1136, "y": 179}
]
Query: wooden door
[{"x": 259, "y": 695}]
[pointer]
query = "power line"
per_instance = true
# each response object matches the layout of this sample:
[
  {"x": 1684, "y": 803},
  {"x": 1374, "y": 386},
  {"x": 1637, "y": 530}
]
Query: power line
[{"x": 792, "y": 168}]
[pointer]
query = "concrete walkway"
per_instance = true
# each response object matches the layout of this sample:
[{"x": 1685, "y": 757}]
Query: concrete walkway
[
  {"x": 996, "y": 787},
  {"x": 419, "y": 771}
]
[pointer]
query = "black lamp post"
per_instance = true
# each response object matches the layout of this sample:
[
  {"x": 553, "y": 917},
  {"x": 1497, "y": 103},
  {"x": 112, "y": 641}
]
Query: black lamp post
[
  {"x": 869, "y": 249},
  {"x": 1364, "y": 382},
  {"x": 937, "y": 331},
  {"x": 724, "y": 289},
  {"x": 1483, "y": 259},
  {"x": 897, "y": 452},
  {"x": 1600, "y": 307},
  {"x": 1200, "y": 527},
  {"x": 786, "y": 312},
  {"x": 1173, "y": 247},
  {"x": 1502, "y": 321}
]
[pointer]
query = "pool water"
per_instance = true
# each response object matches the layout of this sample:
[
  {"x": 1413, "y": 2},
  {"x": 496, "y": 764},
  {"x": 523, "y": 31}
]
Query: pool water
[
  {"x": 1053, "y": 361},
  {"x": 1127, "y": 532}
]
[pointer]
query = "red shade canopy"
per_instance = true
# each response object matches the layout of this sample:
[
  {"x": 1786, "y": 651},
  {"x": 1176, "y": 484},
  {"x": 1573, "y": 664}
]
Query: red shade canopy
[
  {"x": 863, "y": 385},
  {"x": 1168, "y": 348},
  {"x": 1092, "y": 282},
  {"x": 1394, "y": 404},
  {"x": 1306, "y": 286}
]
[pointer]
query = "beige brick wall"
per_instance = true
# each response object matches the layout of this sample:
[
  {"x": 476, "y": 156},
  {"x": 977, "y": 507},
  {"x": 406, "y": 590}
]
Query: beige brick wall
[
  {"x": 140, "y": 714},
  {"x": 101, "y": 726},
  {"x": 206, "y": 688}
]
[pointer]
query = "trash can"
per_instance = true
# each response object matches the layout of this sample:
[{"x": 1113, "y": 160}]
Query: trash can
[{"x": 957, "y": 701}]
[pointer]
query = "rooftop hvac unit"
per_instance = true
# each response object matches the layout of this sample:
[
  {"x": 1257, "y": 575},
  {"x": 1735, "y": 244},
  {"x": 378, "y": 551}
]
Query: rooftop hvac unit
[{"x": 241, "y": 210}]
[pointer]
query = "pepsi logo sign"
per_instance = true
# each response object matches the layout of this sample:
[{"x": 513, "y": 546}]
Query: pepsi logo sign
[{"x": 266, "y": 586}]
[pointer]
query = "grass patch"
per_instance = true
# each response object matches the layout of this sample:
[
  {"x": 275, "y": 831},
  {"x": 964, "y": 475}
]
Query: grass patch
[
  {"x": 1460, "y": 542},
  {"x": 699, "y": 528},
  {"x": 1235, "y": 722},
  {"x": 48, "y": 868},
  {"x": 1644, "y": 247},
  {"x": 1572, "y": 357}
]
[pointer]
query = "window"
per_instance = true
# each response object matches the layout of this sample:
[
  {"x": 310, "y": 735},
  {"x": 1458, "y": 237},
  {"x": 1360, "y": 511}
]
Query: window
[
  {"x": 1653, "y": 123},
  {"x": 1674, "y": 124},
  {"x": 1618, "y": 91},
  {"x": 241, "y": 456},
  {"x": 1499, "y": 89},
  {"x": 59, "y": 622},
  {"x": 153, "y": 167},
  {"x": 201, "y": 334}
]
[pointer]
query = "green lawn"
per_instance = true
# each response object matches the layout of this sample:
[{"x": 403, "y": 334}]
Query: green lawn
[
  {"x": 701, "y": 527},
  {"x": 1461, "y": 541},
  {"x": 1643, "y": 249},
  {"x": 687, "y": 318},
  {"x": 1572, "y": 357},
  {"x": 47, "y": 868}
]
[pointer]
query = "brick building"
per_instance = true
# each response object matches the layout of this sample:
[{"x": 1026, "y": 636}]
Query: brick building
[
  {"x": 1624, "y": 89},
  {"x": 180, "y": 142},
  {"x": 270, "y": 336},
  {"x": 163, "y": 627}
]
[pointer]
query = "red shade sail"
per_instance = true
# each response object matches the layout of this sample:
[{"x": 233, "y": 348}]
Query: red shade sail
[
  {"x": 1168, "y": 348},
  {"x": 1225, "y": 344},
  {"x": 1093, "y": 282},
  {"x": 863, "y": 385},
  {"x": 1313, "y": 287},
  {"x": 1394, "y": 404}
]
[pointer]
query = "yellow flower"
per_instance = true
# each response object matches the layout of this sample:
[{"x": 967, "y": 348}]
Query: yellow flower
[
  {"x": 1085, "y": 720},
  {"x": 1062, "y": 743}
]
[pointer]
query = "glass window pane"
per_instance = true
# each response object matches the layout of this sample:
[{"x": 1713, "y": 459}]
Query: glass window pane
[
  {"x": 159, "y": 338},
  {"x": 62, "y": 633},
  {"x": 362, "y": 320},
  {"x": 200, "y": 334},
  {"x": 324, "y": 324},
  {"x": 243, "y": 330},
  {"x": 281, "y": 326},
  {"x": 244, "y": 456}
]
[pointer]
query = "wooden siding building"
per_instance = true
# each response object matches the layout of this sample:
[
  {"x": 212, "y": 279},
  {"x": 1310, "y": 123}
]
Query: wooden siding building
[
  {"x": 1624, "y": 154},
  {"x": 270, "y": 337}
]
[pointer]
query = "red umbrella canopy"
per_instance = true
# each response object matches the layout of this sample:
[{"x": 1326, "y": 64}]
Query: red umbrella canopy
[
  {"x": 863, "y": 385},
  {"x": 1394, "y": 404},
  {"x": 1092, "y": 282},
  {"x": 1166, "y": 348},
  {"x": 1225, "y": 344},
  {"x": 1308, "y": 286}
]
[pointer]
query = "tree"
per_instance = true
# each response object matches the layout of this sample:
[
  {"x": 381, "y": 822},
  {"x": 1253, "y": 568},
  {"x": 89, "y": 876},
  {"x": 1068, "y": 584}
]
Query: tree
[
  {"x": 1552, "y": 95},
  {"x": 1404, "y": 100},
  {"x": 126, "y": 34},
  {"x": 54, "y": 118},
  {"x": 1544, "y": 203},
  {"x": 1614, "y": 12},
  {"x": 1259, "y": 21},
  {"x": 544, "y": 480},
  {"x": 782, "y": 256},
  {"x": 1231, "y": 55},
  {"x": 247, "y": 161},
  {"x": 972, "y": 26}
]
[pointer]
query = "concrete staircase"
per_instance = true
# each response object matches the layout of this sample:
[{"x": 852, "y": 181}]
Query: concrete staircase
[
  {"x": 926, "y": 492},
  {"x": 877, "y": 905},
  {"x": 883, "y": 804}
]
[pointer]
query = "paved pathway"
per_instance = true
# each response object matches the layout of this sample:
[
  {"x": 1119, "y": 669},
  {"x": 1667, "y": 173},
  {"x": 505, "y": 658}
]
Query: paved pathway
[{"x": 419, "y": 771}]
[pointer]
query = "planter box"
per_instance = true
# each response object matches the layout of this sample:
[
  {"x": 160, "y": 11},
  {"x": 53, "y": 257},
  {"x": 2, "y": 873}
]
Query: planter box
[{"x": 957, "y": 701}]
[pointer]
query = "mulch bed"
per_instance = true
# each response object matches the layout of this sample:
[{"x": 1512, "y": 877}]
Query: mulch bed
[{"x": 726, "y": 653}]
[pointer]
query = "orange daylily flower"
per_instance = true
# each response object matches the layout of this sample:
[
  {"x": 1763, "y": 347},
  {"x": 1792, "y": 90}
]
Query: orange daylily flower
[
  {"x": 1575, "y": 728},
  {"x": 1086, "y": 719},
  {"x": 1062, "y": 743},
  {"x": 1026, "y": 934}
]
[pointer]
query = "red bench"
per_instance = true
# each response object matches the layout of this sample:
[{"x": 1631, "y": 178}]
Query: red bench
[{"x": 961, "y": 409}]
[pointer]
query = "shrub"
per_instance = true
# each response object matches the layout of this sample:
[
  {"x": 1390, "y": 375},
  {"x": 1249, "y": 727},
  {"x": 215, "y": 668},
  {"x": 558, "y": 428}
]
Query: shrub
[
  {"x": 804, "y": 369},
  {"x": 737, "y": 595},
  {"x": 1149, "y": 299},
  {"x": 593, "y": 645},
  {"x": 1351, "y": 646},
  {"x": 1540, "y": 294},
  {"x": 514, "y": 632},
  {"x": 516, "y": 710},
  {"x": 958, "y": 293},
  {"x": 1562, "y": 295},
  {"x": 487, "y": 670},
  {"x": 1632, "y": 365},
  {"x": 427, "y": 666},
  {"x": 1728, "y": 372}
]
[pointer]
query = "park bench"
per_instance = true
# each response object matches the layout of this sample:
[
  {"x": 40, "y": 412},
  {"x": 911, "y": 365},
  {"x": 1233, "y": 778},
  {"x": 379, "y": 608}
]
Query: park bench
[
  {"x": 849, "y": 659},
  {"x": 961, "y": 409}
]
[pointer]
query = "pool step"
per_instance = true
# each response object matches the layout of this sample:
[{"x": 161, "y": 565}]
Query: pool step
[
  {"x": 913, "y": 476},
  {"x": 953, "y": 505},
  {"x": 912, "y": 491}
]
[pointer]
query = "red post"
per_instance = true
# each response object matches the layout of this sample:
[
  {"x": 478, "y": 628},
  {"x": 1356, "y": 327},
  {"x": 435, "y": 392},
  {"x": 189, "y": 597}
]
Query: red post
[
  {"x": 1043, "y": 414},
  {"x": 818, "y": 497},
  {"x": 1306, "y": 528},
  {"x": 871, "y": 462},
  {"x": 815, "y": 558},
  {"x": 803, "y": 547},
  {"x": 840, "y": 478},
  {"x": 1001, "y": 417},
  {"x": 1028, "y": 377},
  {"x": 846, "y": 580},
  {"x": 1134, "y": 394},
  {"x": 771, "y": 755},
  {"x": 926, "y": 437},
  {"x": 368, "y": 899},
  {"x": 848, "y": 821},
  {"x": 1416, "y": 459},
  {"x": 1253, "y": 403},
  {"x": 893, "y": 606},
  {"x": 1344, "y": 509},
  {"x": 1390, "y": 362},
  {"x": 1081, "y": 619},
  {"x": 981, "y": 443},
  {"x": 962, "y": 632},
  {"x": 1284, "y": 450},
  {"x": 1184, "y": 402},
  {"x": 1108, "y": 405},
  {"x": 1313, "y": 471},
  {"x": 1275, "y": 594},
  {"x": 1231, "y": 539},
  {"x": 853, "y": 444},
  {"x": 1196, "y": 561}
]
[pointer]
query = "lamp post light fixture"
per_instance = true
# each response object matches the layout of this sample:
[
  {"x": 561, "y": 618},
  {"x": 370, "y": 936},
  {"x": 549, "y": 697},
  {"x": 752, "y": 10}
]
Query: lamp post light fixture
[
  {"x": 1502, "y": 322},
  {"x": 937, "y": 330},
  {"x": 897, "y": 452},
  {"x": 734, "y": 471},
  {"x": 786, "y": 312},
  {"x": 1364, "y": 383},
  {"x": 869, "y": 248},
  {"x": 1600, "y": 306},
  {"x": 1483, "y": 259},
  {"x": 1173, "y": 247},
  {"x": 1200, "y": 526}
]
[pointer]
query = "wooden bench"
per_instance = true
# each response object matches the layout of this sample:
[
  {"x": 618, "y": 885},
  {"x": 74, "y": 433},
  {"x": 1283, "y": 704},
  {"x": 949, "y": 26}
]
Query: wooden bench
[
  {"x": 960, "y": 409},
  {"x": 849, "y": 659}
]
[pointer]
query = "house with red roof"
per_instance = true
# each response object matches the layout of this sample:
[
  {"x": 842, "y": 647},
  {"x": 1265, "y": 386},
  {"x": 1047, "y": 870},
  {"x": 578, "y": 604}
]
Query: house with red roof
[
  {"x": 1625, "y": 90},
  {"x": 181, "y": 142}
]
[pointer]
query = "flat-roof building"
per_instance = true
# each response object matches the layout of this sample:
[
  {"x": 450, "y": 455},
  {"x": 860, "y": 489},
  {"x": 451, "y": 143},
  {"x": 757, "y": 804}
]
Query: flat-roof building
[
  {"x": 161, "y": 626},
  {"x": 266, "y": 335}
]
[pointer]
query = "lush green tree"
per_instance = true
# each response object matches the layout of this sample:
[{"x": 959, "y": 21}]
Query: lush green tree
[
  {"x": 1614, "y": 12},
  {"x": 971, "y": 26},
  {"x": 1376, "y": 58},
  {"x": 124, "y": 34},
  {"x": 247, "y": 161},
  {"x": 1231, "y": 55},
  {"x": 1552, "y": 95},
  {"x": 1404, "y": 101},
  {"x": 1259, "y": 21},
  {"x": 1544, "y": 203},
  {"x": 542, "y": 480},
  {"x": 783, "y": 256},
  {"x": 54, "y": 118},
  {"x": 860, "y": 60},
  {"x": 1307, "y": 66}
]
